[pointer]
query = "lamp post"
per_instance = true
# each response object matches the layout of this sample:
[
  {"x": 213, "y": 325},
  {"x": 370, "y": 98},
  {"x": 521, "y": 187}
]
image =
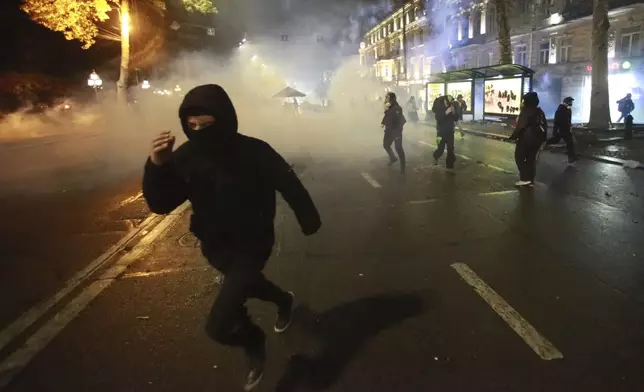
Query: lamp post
[{"x": 94, "y": 81}]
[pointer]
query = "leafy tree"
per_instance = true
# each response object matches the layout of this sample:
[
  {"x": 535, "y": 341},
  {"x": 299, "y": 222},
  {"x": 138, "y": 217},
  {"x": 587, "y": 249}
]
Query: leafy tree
[{"x": 82, "y": 20}]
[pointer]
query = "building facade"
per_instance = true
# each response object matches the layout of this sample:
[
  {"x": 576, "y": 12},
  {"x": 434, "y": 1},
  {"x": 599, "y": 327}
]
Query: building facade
[{"x": 553, "y": 37}]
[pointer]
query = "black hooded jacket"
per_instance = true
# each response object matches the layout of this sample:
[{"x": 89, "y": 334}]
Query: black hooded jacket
[
  {"x": 230, "y": 180},
  {"x": 394, "y": 119},
  {"x": 532, "y": 126},
  {"x": 563, "y": 119}
]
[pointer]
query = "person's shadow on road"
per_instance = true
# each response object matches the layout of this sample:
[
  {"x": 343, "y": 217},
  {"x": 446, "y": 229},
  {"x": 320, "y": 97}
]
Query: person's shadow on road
[{"x": 343, "y": 332}]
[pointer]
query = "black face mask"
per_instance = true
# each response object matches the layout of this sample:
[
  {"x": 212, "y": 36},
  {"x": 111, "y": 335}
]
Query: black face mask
[{"x": 211, "y": 138}]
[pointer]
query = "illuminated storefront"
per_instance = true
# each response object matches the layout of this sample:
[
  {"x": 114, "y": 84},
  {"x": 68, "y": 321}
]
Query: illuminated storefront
[{"x": 624, "y": 77}]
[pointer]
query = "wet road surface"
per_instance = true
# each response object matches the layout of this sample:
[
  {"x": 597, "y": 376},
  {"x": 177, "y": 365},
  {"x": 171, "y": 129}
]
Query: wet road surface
[
  {"x": 433, "y": 281},
  {"x": 61, "y": 205}
]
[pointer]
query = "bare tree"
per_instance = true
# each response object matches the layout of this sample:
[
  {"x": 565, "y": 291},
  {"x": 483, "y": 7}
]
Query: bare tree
[
  {"x": 505, "y": 46},
  {"x": 599, "y": 101}
]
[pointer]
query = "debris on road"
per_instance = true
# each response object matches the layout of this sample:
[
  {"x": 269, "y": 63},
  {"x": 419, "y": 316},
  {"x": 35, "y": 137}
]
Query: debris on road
[{"x": 143, "y": 318}]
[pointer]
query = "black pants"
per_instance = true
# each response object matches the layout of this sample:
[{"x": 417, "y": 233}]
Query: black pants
[
  {"x": 570, "y": 143},
  {"x": 228, "y": 322},
  {"x": 394, "y": 137},
  {"x": 446, "y": 139},
  {"x": 525, "y": 156}
]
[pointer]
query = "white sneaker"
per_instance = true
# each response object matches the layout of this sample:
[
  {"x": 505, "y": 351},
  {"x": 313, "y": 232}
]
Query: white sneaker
[{"x": 522, "y": 183}]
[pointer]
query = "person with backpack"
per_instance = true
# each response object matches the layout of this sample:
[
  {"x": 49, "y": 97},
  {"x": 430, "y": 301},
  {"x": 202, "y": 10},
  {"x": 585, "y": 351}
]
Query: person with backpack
[
  {"x": 530, "y": 135},
  {"x": 461, "y": 108},
  {"x": 625, "y": 106},
  {"x": 445, "y": 112},
  {"x": 393, "y": 122},
  {"x": 563, "y": 128}
]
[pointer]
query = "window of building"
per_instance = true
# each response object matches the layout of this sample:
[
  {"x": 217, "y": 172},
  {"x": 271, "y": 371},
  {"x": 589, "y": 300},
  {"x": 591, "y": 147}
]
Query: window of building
[
  {"x": 465, "y": 63},
  {"x": 521, "y": 55},
  {"x": 566, "y": 50},
  {"x": 491, "y": 21},
  {"x": 544, "y": 53},
  {"x": 630, "y": 41},
  {"x": 476, "y": 27}
]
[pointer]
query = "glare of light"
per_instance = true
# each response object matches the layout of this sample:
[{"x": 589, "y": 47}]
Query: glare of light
[
  {"x": 145, "y": 85},
  {"x": 555, "y": 19},
  {"x": 244, "y": 41},
  {"x": 254, "y": 58},
  {"x": 177, "y": 88},
  {"x": 125, "y": 23},
  {"x": 626, "y": 64},
  {"x": 589, "y": 68},
  {"x": 94, "y": 80},
  {"x": 167, "y": 92},
  {"x": 67, "y": 106}
]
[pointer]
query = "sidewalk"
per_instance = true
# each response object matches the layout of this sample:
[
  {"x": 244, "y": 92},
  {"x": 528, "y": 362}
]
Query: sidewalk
[{"x": 608, "y": 147}]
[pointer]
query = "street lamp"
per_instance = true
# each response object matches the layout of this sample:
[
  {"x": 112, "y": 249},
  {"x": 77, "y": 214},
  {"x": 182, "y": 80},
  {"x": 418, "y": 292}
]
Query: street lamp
[{"x": 95, "y": 81}]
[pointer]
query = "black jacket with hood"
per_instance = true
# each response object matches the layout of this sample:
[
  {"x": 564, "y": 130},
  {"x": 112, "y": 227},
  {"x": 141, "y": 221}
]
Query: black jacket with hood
[
  {"x": 563, "y": 119},
  {"x": 230, "y": 180},
  {"x": 394, "y": 120},
  {"x": 532, "y": 126}
]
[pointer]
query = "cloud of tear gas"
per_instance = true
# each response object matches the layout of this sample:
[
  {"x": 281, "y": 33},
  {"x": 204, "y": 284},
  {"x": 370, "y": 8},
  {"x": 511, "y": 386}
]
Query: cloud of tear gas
[{"x": 103, "y": 143}]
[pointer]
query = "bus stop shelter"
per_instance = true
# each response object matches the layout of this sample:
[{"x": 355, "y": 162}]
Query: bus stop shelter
[{"x": 489, "y": 92}]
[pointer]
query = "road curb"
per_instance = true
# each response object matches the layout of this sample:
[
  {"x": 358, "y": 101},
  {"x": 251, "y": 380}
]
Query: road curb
[{"x": 597, "y": 158}]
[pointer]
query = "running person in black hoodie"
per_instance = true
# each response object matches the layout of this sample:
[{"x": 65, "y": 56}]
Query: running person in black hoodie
[
  {"x": 231, "y": 180},
  {"x": 530, "y": 134},
  {"x": 393, "y": 122},
  {"x": 563, "y": 128}
]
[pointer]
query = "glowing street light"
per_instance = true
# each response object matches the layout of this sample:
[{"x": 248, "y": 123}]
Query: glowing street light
[
  {"x": 626, "y": 65},
  {"x": 145, "y": 85},
  {"x": 555, "y": 19},
  {"x": 125, "y": 23},
  {"x": 94, "y": 81}
]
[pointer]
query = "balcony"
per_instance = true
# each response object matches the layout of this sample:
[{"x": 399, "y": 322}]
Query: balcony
[{"x": 476, "y": 40}]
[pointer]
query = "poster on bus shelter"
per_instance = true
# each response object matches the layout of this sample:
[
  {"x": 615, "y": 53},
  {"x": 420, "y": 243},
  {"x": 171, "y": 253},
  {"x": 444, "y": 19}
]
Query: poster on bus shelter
[
  {"x": 434, "y": 90},
  {"x": 503, "y": 96},
  {"x": 461, "y": 88}
]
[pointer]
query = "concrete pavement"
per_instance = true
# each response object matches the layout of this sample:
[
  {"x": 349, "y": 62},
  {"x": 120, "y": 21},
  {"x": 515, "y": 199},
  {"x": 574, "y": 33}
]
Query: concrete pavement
[{"x": 382, "y": 305}]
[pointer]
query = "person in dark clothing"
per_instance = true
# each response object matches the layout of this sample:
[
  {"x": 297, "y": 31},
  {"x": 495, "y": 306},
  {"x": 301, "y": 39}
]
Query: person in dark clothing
[
  {"x": 530, "y": 134},
  {"x": 393, "y": 122},
  {"x": 230, "y": 180},
  {"x": 446, "y": 116},
  {"x": 625, "y": 106},
  {"x": 461, "y": 108},
  {"x": 412, "y": 110},
  {"x": 563, "y": 128}
]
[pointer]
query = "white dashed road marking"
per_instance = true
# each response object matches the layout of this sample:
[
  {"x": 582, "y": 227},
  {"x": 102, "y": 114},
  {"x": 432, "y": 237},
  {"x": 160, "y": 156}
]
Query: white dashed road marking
[
  {"x": 539, "y": 344},
  {"x": 371, "y": 181}
]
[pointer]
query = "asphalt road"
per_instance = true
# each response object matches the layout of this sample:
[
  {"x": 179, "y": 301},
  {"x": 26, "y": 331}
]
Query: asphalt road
[
  {"x": 407, "y": 287},
  {"x": 60, "y": 207}
]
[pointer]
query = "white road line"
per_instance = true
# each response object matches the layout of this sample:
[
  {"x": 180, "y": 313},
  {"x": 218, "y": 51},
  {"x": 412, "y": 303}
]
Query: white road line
[
  {"x": 371, "y": 181},
  {"x": 498, "y": 193},
  {"x": 166, "y": 271},
  {"x": 422, "y": 201},
  {"x": 427, "y": 144},
  {"x": 496, "y": 168},
  {"x": 527, "y": 332},
  {"x": 132, "y": 199},
  {"x": 17, "y": 361},
  {"x": 32, "y": 315}
]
